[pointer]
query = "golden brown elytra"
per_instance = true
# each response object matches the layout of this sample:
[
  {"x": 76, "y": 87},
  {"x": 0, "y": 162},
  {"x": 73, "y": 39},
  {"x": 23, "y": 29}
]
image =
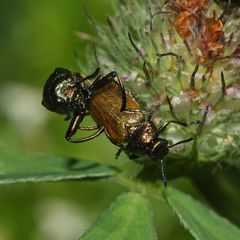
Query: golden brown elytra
[{"x": 104, "y": 108}]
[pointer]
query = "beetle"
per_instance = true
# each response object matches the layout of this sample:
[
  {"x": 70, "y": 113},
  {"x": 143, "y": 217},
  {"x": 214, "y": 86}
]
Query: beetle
[{"x": 116, "y": 113}]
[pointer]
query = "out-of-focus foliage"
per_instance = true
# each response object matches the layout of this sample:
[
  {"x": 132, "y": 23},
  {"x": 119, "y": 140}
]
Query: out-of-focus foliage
[
  {"x": 202, "y": 222},
  {"x": 124, "y": 220},
  {"x": 36, "y": 37},
  {"x": 21, "y": 166}
]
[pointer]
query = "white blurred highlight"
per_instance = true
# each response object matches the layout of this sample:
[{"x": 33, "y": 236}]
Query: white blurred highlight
[{"x": 21, "y": 105}]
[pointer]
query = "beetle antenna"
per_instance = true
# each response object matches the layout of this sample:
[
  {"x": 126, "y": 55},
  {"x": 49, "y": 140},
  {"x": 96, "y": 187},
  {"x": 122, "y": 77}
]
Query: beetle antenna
[{"x": 164, "y": 177}]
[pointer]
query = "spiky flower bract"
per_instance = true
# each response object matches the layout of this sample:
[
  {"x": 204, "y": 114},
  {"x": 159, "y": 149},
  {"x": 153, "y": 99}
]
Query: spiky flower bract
[{"x": 180, "y": 57}]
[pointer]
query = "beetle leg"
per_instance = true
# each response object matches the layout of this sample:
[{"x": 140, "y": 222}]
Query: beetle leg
[
  {"x": 201, "y": 122},
  {"x": 123, "y": 92},
  {"x": 151, "y": 111},
  {"x": 118, "y": 153},
  {"x": 97, "y": 84},
  {"x": 165, "y": 125},
  {"x": 93, "y": 75},
  {"x": 74, "y": 126},
  {"x": 103, "y": 81},
  {"x": 98, "y": 78},
  {"x": 131, "y": 156},
  {"x": 84, "y": 139},
  {"x": 131, "y": 110},
  {"x": 89, "y": 128},
  {"x": 113, "y": 141},
  {"x": 181, "y": 142}
]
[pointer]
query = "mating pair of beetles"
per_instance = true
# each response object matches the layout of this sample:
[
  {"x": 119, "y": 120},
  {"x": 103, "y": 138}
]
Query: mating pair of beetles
[{"x": 116, "y": 113}]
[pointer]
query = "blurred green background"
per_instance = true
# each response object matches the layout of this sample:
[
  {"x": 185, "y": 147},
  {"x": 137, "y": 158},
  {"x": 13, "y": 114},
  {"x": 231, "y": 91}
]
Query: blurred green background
[{"x": 36, "y": 37}]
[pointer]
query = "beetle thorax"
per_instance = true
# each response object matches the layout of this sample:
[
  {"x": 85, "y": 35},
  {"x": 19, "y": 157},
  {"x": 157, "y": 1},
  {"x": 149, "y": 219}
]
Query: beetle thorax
[{"x": 141, "y": 139}]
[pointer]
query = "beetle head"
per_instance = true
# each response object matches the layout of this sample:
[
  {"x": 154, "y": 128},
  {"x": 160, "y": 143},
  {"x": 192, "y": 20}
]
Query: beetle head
[{"x": 64, "y": 93}]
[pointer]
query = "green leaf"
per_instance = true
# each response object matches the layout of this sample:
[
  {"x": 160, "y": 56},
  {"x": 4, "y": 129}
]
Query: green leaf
[
  {"x": 202, "y": 222},
  {"x": 129, "y": 217},
  {"x": 22, "y": 166}
]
